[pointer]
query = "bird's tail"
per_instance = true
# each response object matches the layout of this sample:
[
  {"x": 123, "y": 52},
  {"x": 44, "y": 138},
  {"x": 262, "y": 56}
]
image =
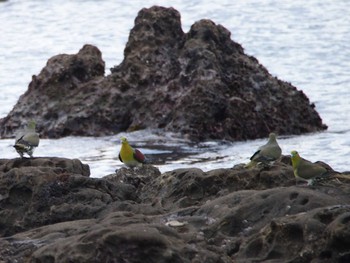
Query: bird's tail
[
  {"x": 21, "y": 147},
  {"x": 251, "y": 165},
  {"x": 332, "y": 176},
  {"x": 340, "y": 176}
]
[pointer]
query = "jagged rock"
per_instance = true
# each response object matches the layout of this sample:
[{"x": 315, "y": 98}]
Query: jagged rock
[
  {"x": 199, "y": 83},
  {"x": 49, "y": 214}
]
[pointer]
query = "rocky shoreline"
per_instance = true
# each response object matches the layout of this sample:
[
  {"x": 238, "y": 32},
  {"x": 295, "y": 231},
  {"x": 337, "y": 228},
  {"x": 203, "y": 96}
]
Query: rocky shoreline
[
  {"x": 202, "y": 85},
  {"x": 53, "y": 211}
]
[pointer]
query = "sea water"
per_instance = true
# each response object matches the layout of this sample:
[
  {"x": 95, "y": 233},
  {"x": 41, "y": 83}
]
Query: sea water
[{"x": 303, "y": 42}]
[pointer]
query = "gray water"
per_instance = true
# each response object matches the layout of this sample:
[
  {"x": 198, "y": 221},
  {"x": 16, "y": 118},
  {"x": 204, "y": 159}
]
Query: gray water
[{"x": 302, "y": 42}]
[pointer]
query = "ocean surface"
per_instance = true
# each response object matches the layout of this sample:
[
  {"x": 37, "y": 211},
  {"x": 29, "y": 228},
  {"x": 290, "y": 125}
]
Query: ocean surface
[{"x": 303, "y": 42}]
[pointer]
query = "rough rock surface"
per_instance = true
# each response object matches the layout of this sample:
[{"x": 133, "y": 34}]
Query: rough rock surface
[
  {"x": 51, "y": 211},
  {"x": 41, "y": 191},
  {"x": 199, "y": 83}
]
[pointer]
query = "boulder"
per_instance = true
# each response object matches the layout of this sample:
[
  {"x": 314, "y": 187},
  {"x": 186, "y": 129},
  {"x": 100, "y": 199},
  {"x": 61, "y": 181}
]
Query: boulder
[
  {"x": 56, "y": 97},
  {"x": 41, "y": 191},
  {"x": 58, "y": 165},
  {"x": 49, "y": 214},
  {"x": 200, "y": 84}
]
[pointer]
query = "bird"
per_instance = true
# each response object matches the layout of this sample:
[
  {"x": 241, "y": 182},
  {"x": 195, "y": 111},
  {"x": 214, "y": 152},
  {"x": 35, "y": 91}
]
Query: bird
[
  {"x": 266, "y": 153},
  {"x": 306, "y": 170},
  {"x": 27, "y": 140},
  {"x": 129, "y": 156}
]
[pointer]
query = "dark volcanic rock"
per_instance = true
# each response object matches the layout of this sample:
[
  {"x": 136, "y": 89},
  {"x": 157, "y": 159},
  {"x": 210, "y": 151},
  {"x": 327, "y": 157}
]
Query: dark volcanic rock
[
  {"x": 199, "y": 83},
  {"x": 49, "y": 214},
  {"x": 56, "y": 97},
  {"x": 41, "y": 191}
]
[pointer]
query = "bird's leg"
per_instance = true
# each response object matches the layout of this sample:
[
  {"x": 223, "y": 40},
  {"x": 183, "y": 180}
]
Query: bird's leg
[{"x": 30, "y": 152}]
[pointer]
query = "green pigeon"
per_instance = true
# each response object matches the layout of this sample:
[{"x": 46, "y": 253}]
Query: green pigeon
[
  {"x": 266, "y": 153},
  {"x": 27, "y": 140},
  {"x": 306, "y": 170},
  {"x": 129, "y": 156}
]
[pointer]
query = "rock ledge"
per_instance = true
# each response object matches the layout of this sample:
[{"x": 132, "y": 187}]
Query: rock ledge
[{"x": 51, "y": 211}]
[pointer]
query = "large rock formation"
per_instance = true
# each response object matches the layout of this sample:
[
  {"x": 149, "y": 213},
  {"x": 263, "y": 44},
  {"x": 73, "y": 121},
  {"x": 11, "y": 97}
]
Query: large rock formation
[
  {"x": 51, "y": 211},
  {"x": 199, "y": 83}
]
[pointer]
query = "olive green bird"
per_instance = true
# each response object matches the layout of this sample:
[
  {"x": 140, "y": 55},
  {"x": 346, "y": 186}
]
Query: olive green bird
[
  {"x": 129, "y": 156},
  {"x": 266, "y": 153},
  {"x": 306, "y": 170},
  {"x": 27, "y": 140}
]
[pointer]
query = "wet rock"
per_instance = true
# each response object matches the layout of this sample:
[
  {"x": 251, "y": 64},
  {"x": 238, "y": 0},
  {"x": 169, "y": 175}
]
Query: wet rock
[
  {"x": 49, "y": 214},
  {"x": 199, "y": 83},
  {"x": 19, "y": 166}
]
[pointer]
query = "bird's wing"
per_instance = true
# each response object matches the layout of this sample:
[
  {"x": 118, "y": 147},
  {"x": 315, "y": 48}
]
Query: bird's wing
[
  {"x": 30, "y": 139},
  {"x": 267, "y": 153},
  {"x": 255, "y": 155},
  {"x": 120, "y": 158},
  {"x": 20, "y": 135},
  {"x": 309, "y": 170},
  {"x": 19, "y": 138},
  {"x": 139, "y": 156},
  {"x": 271, "y": 151}
]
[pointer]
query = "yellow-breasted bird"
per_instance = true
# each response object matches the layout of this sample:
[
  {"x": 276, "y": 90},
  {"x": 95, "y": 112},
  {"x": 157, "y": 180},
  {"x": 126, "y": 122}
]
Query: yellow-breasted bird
[
  {"x": 129, "y": 156},
  {"x": 306, "y": 170},
  {"x": 27, "y": 140},
  {"x": 266, "y": 153}
]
